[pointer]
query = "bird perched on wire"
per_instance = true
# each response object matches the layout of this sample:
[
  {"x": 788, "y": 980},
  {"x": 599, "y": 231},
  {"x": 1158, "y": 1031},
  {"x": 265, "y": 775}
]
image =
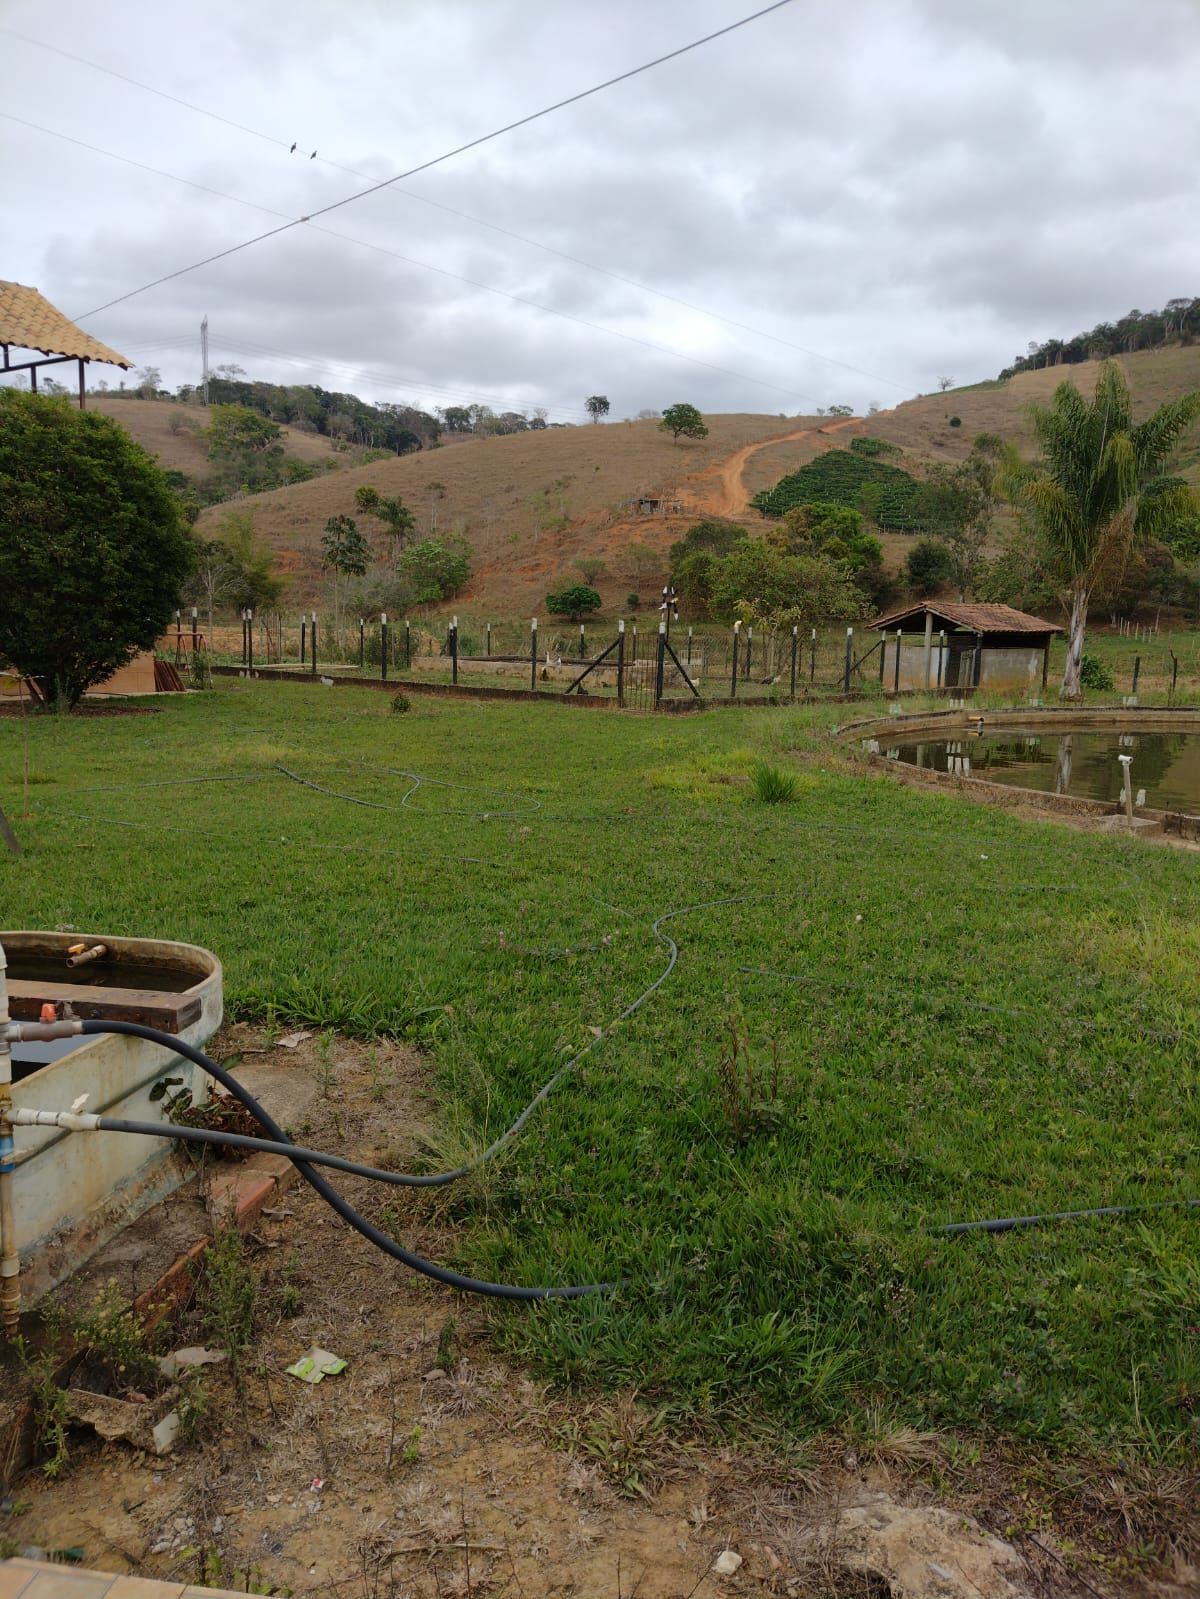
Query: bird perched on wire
[
  {"x": 292, "y": 151},
  {"x": 313, "y": 156}
]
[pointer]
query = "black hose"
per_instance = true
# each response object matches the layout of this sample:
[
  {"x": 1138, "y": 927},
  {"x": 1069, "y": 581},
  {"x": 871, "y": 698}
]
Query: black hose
[
  {"x": 452, "y": 1279},
  {"x": 1006, "y": 1224},
  {"x": 296, "y": 1153}
]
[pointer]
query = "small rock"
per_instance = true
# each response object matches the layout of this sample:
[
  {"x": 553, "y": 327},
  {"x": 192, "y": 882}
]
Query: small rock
[{"x": 726, "y": 1563}]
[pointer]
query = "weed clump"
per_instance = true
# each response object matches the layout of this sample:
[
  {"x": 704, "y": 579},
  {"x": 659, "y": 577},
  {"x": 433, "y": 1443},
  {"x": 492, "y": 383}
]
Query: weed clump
[
  {"x": 771, "y": 786},
  {"x": 401, "y": 703}
]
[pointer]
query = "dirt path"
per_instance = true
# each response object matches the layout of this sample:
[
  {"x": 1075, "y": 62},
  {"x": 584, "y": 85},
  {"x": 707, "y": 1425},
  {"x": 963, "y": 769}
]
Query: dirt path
[{"x": 723, "y": 486}]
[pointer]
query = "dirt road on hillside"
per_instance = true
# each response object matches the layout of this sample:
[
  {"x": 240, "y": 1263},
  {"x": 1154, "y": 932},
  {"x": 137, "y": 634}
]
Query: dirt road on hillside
[{"x": 725, "y": 482}]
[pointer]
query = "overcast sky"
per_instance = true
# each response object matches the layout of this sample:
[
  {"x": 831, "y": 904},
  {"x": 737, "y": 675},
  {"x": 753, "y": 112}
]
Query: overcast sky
[{"x": 911, "y": 187}]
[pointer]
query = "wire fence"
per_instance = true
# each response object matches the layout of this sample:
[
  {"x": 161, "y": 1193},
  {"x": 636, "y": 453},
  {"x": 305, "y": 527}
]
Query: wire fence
[{"x": 642, "y": 666}]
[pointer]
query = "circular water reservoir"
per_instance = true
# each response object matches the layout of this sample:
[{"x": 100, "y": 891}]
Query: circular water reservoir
[{"x": 1082, "y": 763}]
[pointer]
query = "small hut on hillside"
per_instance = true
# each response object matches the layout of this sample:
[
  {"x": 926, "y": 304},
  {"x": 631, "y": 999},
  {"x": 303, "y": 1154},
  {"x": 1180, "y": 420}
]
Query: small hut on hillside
[{"x": 938, "y": 644}]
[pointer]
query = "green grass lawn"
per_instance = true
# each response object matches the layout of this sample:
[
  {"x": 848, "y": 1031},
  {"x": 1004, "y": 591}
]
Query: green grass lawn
[{"x": 943, "y": 1012}]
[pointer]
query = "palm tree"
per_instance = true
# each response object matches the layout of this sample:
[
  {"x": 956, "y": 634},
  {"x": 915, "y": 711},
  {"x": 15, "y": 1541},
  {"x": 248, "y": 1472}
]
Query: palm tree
[{"x": 1098, "y": 489}]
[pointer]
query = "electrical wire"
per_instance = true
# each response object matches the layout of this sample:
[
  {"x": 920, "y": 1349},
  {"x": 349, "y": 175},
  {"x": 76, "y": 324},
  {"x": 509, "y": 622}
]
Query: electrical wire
[
  {"x": 395, "y": 255},
  {"x": 466, "y": 216},
  {"x": 425, "y": 166}
]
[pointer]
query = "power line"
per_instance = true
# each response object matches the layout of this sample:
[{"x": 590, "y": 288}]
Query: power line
[
  {"x": 471, "y": 144},
  {"x": 466, "y": 216},
  {"x": 381, "y": 249}
]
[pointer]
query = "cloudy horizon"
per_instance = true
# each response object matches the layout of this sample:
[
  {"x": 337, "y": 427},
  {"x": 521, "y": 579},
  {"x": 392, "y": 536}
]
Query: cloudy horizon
[{"x": 909, "y": 189}]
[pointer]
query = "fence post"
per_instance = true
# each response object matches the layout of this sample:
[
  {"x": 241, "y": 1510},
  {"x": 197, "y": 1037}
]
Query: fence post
[
  {"x": 896, "y": 686},
  {"x": 250, "y": 638},
  {"x": 812, "y": 657},
  {"x": 795, "y": 650},
  {"x": 383, "y": 643},
  {"x": 658, "y": 670},
  {"x": 689, "y": 647},
  {"x": 882, "y": 658},
  {"x": 303, "y": 637},
  {"x": 533, "y": 654},
  {"x": 1174, "y": 672},
  {"x": 195, "y": 632},
  {"x": 849, "y": 660},
  {"x": 454, "y": 649},
  {"x": 621, "y": 662},
  {"x": 749, "y": 649},
  {"x": 313, "y": 642},
  {"x": 362, "y": 644},
  {"x": 737, "y": 633},
  {"x": 407, "y": 645},
  {"x": 635, "y": 643},
  {"x": 488, "y": 637},
  {"x": 1137, "y": 668}
]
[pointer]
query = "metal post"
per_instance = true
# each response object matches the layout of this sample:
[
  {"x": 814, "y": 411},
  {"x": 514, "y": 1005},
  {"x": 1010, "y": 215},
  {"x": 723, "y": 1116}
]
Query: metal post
[
  {"x": 749, "y": 650},
  {"x": 488, "y": 636},
  {"x": 1137, "y": 668},
  {"x": 635, "y": 643},
  {"x": 454, "y": 649},
  {"x": 658, "y": 671},
  {"x": 407, "y": 645},
  {"x": 195, "y": 633},
  {"x": 812, "y": 657},
  {"x": 582, "y": 642},
  {"x": 737, "y": 632},
  {"x": 896, "y": 683},
  {"x": 621, "y": 662},
  {"x": 849, "y": 660},
  {"x": 882, "y": 659},
  {"x": 689, "y": 649},
  {"x": 533, "y": 654},
  {"x": 795, "y": 649},
  {"x": 383, "y": 643},
  {"x": 362, "y": 644},
  {"x": 250, "y": 640},
  {"x": 303, "y": 636}
]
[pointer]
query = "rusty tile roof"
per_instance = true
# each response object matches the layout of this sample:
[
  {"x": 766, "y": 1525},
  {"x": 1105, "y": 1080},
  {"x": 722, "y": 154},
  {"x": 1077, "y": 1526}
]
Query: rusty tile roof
[
  {"x": 976, "y": 618},
  {"x": 28, "y": 320}
]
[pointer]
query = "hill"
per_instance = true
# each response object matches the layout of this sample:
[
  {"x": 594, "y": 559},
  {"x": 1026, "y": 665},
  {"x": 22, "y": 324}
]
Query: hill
[{"x": 532, "y": 504}]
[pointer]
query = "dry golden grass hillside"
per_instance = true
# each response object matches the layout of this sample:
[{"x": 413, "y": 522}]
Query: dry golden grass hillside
[
  {"x": 531, "y": 505},
  {"x": 174, "y": 433}
]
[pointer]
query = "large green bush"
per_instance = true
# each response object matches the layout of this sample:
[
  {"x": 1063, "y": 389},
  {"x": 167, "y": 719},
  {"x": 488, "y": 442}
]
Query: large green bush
[
  {"x": 93, "y": 547},
  {"x": 894, "y": 497}
]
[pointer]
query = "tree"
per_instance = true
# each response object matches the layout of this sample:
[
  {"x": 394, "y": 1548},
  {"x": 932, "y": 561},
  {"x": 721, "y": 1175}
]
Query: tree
[
  {"x": 213, "y": 576},
  {"x": 396, "y": 517},
  {"x": 643, "y": 560},
  {"x": 960, "y": 502},
  {"x": 597, "y": 406},
  {"x": 149, "y": 381},
  {"x": 945, "y": 383},
  {"x": 1098, "y": 489},
  {"x": 591, "y": 567},
  {"x": 93, "y": 550},
  {"x": 574, "y": 602},
  {"x": 840, "y": 410},
  {"x": 345, "y": 553},
  {"x": 759, "y": 584},
  {"x": 236, "y": 430},
  {"x": 927, "y": 567},
  {"x": 254, "y": 584},
  {"x": 685, "y": 419},
  {"x": 435, "y": 569}
]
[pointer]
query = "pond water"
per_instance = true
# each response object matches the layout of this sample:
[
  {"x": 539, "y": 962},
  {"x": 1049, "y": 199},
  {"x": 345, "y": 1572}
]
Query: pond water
[{"x": 1166, "y": 765}]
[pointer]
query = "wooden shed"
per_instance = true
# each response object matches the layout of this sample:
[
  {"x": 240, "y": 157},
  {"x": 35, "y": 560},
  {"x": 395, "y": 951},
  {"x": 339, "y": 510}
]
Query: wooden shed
[{"x": 936, "y": 644}]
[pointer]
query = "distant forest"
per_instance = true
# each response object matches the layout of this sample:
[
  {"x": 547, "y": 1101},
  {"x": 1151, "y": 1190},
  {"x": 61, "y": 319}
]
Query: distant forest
[{"x": 1177, "y": 323}]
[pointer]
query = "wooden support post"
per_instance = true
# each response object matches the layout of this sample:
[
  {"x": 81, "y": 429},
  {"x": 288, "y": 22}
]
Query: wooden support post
[
  {"x": 1137, "y": 672},
  {"x": 942, "y": 661},
  {"x": 82, "y": 387},
  {"x": 928, "y": 650},
  {"x": 896, "y": 682}
]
